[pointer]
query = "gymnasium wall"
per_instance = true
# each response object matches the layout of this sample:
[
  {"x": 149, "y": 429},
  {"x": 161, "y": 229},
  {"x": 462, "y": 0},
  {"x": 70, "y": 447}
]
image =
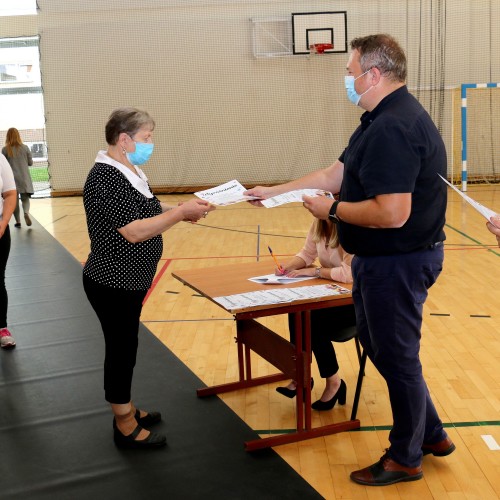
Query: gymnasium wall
[{"x": 222, "y": 113}]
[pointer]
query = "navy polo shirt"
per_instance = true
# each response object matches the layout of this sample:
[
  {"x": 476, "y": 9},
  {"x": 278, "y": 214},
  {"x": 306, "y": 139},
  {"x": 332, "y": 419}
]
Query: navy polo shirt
[{"x": 396, "y": 149}]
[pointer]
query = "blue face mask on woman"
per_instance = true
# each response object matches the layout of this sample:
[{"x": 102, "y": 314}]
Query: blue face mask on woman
[
  {"x": 353, "y": 96},
  {"x": 142, "y": 153}
]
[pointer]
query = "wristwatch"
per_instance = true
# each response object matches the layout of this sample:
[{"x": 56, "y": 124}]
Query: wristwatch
[
  {"x": 317, "y": 274},
  {"x": 332, "y": 215}
]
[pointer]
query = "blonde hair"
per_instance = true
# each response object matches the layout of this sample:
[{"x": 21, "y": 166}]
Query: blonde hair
[
  {"x": 325, "y": 230},
  {"x": 12, "y": 140}
]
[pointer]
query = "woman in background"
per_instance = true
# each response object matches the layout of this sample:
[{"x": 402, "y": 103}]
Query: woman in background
[
  {"x": 19, "y": 157},
  {"x": 322, "y": 243},
  {"x": 7, "y": 204}
]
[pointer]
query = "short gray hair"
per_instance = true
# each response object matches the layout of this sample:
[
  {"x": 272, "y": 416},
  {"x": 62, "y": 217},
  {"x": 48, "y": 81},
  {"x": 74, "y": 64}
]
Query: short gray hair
[
  {"x": 128, "y": 120},
  {"x": 383, "y": 52}
]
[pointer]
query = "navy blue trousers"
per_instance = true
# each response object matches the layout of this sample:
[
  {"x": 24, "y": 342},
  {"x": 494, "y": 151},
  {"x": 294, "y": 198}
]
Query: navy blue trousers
[{"x": 389, "y": 293}]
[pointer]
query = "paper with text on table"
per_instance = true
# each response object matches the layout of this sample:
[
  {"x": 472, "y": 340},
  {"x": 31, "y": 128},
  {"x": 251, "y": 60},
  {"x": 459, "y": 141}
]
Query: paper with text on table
[
  {"x": 273, "y": 279},
  {"x": 484, "y": 211},
  {"x": 279, "y": 296}
]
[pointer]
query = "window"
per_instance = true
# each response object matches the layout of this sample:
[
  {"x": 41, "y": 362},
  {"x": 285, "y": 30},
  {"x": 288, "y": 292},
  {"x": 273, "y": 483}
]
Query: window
[
  {"x": 17, "y": 7},
  {"x": 19, "y": 63},
  {"x": 21, "y": 101}
]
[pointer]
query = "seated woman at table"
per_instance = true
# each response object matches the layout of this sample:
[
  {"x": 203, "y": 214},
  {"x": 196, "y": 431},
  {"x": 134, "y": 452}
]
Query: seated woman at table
[{"x": 335, "y": 264}]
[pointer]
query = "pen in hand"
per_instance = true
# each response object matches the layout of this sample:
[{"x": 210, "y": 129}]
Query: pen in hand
[{"x": 278, "y": 265}]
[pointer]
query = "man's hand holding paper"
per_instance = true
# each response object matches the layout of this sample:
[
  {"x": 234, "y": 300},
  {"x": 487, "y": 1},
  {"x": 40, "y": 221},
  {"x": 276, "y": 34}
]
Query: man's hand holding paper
[{"x": 319, "y": 206}]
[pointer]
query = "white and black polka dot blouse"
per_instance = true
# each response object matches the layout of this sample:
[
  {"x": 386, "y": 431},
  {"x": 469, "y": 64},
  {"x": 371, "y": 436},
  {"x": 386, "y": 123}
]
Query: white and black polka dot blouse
[{"x": 111, "y": 202}]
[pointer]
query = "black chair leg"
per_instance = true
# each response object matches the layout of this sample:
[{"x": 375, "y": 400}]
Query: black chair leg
[
  {"x": 358, "y": 348},
  {"x": 362, "y": 364}
]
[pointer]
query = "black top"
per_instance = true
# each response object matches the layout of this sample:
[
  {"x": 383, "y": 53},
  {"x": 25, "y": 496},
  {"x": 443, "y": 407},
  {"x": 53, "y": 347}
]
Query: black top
[
  {"x": 396, "y": 149},
  {"x": 111, "y": 202}
]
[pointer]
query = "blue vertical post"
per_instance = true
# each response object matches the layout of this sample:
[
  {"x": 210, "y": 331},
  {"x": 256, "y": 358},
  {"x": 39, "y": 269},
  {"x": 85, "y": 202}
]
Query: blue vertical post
[{"x": 466, "y": 86}]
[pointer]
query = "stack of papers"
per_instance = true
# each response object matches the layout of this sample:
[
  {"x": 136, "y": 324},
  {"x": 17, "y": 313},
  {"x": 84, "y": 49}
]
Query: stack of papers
[{"x": 278, "y": 296}]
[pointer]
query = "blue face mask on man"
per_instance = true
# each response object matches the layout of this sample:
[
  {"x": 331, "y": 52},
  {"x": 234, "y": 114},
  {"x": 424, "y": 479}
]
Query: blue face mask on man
[
  {"x": 142, "y": 153},
  {"x": 353, "y": 96}
]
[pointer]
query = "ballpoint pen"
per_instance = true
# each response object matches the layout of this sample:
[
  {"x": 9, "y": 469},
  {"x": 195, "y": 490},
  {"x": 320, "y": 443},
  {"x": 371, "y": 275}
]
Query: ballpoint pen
[{"x": 278, "y": 265}]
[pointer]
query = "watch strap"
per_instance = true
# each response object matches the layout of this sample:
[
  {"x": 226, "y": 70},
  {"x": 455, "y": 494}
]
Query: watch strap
[{"x": 332, "y": 214}]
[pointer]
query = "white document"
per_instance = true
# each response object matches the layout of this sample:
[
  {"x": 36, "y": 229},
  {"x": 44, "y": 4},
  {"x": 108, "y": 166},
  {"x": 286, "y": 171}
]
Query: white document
[
  {"x": 225, "y": 194},
  {"x": 484, "y": 211},
  {"x": 278, "y": 296},
  {"x": 232, "y": 192},
  {"x": 293, "y": 197},
  {"x": 273, "y": 279}
]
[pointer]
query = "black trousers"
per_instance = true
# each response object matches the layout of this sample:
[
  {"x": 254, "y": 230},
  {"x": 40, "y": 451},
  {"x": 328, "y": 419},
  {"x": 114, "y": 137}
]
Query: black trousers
[
  {"x": 324, "y": 324},
  {"x": 119, "y": 312},
  {"x": 4, "y": 257}
]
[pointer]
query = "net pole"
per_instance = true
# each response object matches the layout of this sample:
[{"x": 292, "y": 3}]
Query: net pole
[{"x": 464, "y": 88}]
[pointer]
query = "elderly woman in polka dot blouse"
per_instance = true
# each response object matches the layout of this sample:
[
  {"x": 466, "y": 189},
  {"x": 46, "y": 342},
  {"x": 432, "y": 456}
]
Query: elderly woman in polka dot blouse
[{"x": 125, "y": 222}]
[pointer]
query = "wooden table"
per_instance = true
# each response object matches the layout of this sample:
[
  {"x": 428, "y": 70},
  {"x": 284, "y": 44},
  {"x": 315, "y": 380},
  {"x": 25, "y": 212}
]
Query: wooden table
[{"x": 293, "y": 362}]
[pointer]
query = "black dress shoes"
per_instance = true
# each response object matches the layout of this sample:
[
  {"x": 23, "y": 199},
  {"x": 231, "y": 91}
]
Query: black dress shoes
[
  {"x": 386, "y": 471},
  {"x": 153, "y": 417},
  {"x": 291, "y": 393},
  {"x": 339, "y": 396},
  {"x": 442, "y": 448},
  {"x": 130, "y": 441},
  {"x": 148, "y": 420}
]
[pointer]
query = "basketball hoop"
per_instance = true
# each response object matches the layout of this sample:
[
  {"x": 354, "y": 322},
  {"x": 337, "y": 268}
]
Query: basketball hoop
[{"x": 319, "y": 48}]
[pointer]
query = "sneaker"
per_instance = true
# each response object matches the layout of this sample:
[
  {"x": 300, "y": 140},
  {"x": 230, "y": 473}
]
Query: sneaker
[
  {"x": 6, "y": 339},
  {"x": 17, "y": 224},
  {"x": 27, "y": 219}
]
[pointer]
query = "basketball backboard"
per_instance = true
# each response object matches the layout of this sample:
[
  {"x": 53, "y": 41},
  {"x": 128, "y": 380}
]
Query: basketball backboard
[{"x": 313, "y": 28}]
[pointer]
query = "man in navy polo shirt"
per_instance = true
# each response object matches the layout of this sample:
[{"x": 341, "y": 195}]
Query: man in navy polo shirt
[{"x": 391, "y": 215}]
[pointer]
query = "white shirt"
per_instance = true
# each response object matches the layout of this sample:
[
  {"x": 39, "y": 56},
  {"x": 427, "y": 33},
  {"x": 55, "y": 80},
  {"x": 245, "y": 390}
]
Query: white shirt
[
  {"x": 139, "y": 181},
  {"x": 7, "y": 182}
]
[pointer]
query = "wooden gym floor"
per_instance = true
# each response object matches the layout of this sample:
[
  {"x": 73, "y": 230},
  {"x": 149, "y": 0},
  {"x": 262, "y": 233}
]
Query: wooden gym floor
[{"x": 460, "y": 345}]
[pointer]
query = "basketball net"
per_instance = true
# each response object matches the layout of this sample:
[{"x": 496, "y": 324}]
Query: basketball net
[{"x": 319, "y": 48}]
